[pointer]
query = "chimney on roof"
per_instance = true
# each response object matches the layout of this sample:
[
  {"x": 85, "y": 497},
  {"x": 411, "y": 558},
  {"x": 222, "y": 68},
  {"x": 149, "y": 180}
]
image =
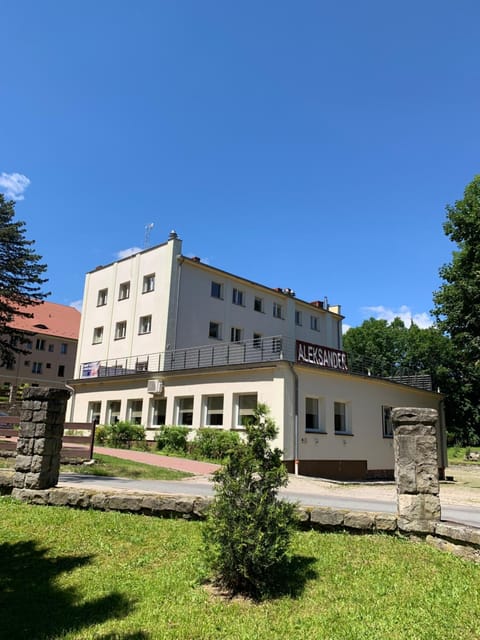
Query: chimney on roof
[
  {"x": 317, "y": 303},
  {"x": 172, "y": 235},
  {"x": 196, "y": 259}
]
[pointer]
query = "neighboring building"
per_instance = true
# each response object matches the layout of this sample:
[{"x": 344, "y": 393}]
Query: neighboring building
[
  {"x": 51, "y": 341},
  {"x": 166, "y": 339}
]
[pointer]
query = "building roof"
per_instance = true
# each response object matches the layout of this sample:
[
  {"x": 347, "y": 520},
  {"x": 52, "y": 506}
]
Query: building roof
[{"x": 51, "y": 319}]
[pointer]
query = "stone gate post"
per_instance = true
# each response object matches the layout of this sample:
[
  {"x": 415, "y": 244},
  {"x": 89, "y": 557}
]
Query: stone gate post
[
  {"x": 39, "y": 443},
  {"x": 416, "y": 468}
]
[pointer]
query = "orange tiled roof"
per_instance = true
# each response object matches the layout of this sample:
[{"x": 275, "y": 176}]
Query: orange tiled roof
[{"x": 51, "y": 319}]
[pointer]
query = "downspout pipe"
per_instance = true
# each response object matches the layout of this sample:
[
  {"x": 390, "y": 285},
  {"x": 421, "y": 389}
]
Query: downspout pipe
[{"x": 295, "y": 420}]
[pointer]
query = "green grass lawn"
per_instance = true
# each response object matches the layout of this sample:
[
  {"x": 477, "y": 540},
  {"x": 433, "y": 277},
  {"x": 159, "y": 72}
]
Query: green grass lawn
[
  {"x": 111, "y": 466},
  {"x": 456, "y": 455},
  {"x": 69, "y": 574}
]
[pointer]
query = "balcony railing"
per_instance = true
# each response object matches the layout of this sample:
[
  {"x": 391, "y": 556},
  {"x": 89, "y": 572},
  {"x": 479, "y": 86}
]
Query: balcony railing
[{"x": 265, "y": 349}]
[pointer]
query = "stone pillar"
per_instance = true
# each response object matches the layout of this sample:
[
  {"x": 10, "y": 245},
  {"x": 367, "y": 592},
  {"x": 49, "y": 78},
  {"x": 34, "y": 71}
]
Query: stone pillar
[
  {"x": 42, "y": 418},
  {"x": 416, "y": 468}
]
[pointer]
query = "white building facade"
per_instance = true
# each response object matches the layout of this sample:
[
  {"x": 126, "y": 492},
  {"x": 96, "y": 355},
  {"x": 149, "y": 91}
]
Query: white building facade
[{"x": 166, "y": 339}]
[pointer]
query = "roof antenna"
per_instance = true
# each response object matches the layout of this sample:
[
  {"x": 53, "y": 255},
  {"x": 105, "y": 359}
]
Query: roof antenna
[{"x": 148, "y": 229}]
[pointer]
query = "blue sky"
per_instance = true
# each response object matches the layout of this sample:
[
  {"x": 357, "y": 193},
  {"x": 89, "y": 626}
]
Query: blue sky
[{"x": 302, "y": 144}]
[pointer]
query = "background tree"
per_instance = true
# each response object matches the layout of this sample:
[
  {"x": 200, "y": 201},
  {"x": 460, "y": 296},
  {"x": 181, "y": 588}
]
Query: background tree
[
  {"x": 457, "y": 306},
  {"x": 20, "y": 280},
  {"x": 248, "y": 530}
]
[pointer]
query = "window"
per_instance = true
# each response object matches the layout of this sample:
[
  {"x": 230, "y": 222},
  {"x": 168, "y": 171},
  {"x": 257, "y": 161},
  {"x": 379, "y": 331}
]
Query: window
[
  {"x": 298, "y": 318},
  {"x": 341, "y": 418},
  {"x": 387, "y": 422},
  {"x": 258, "y": 305},
  {"x": 159, "y": 412},
  {"x": 141, "y": 365},
  {"x": 48, "y": 365},
  {"x": 235, "y": 334},
  {"x": 120, "y": 330},
  {"x": 145, "y": 324},
  {"x": 312, "y": 421},
  {"x": 28, "y": 344},
  {"x": 148, "y": 283},
  {"x": 185, "y": 411},
  {"x": 257, "y": 340},
  {"x": 102, "y": 297},
  {"x": 245, "y": 406},
  {"x": 61, "y": 371},
  {"x": 134, "y": 411},
  {"x": 237, "y": 297},
  {"x": 97, "y": 335},
  {"x": 217, "y": 290},
  {"x": 93, "y": 412},
  {"x": 51, "y": 348},
  {"x": 40, "y": 344},
  {"x": 214, "y": 411},
  {"x": 314, "y": 325},
  {"x": 276, "y": 345},
  {"x": 37, "y": 367},
  {"x": 64, "y": 348},
  {"x": 215, "y": 330},
  {"x": 277, "y": 310},
  {"x": 124, "y": 291},
  {"x": 113, "y": 411}
]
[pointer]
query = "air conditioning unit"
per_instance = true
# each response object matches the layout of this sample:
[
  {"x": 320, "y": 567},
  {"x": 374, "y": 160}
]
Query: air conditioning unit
[{"x": 155, "y": 386}]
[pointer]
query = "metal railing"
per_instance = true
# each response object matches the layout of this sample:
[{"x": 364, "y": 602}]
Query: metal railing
[{"x": 257, "y": 350}]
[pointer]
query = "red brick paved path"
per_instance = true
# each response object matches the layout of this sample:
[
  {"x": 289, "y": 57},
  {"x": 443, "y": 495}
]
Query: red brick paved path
[{"x": 179, "y": 464}]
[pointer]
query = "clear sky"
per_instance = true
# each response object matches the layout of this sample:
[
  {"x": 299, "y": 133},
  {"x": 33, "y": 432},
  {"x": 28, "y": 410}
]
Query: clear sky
[{"x": 302, "y": 143}]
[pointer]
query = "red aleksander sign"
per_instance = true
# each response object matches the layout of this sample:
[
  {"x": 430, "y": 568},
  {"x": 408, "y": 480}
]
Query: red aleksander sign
[{"x": 321, "y": 356}]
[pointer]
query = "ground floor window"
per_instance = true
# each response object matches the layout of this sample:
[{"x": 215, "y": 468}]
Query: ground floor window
[
  {"x": 312, "y": 416},
  {"x": 113, "y": 411},
  {"x": 93, "y": 412},
  {"x": 134, "y": 411},
  {"x": 341, "y": 418},
  {"x": 387, "y": 422},
  {"x": 159, "y": 412},
  {"x": 214, "y": 411},
  {"x": 185, "y": 411},
  {"x": 245, "y": 405}
]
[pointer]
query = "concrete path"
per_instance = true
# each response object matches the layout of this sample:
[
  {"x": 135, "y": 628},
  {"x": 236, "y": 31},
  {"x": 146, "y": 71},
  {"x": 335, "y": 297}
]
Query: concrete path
[{"x": 178, "y": 464}]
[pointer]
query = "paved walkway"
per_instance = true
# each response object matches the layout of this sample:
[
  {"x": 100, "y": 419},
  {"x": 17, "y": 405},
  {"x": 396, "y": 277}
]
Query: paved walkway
[{"x": 178, "y": 464}]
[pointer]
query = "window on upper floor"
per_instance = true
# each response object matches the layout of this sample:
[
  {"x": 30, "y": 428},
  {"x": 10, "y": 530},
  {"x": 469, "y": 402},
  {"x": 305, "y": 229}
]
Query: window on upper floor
[
  {"x": 236, "y": 334},
  {"x": 314, "y": 323},
  {"x": 37, "y": 367},
  {"x": 277, "y": 310},
  {"x": 217, "y": 290},
  {"x": 148, "y": 283},
  {"x": 40, "y": 344},
  {"x": 237, "y": 297},
  {"x": 215, "y": 330},
  {"x": 61, "y": 371},
  {"x": 258, "y": 304},
  {"x": 97, "y": 335},
  {"x": 120, "y": 330},
  {"x": 64, "y": 348},
  {"x": 145, "y": 324},
  {"x": 51, "y": 348},
  {"x": 124, "y": 291},
  {"x": 298, "y": 318},
  {"x": 102, "y": 297}
]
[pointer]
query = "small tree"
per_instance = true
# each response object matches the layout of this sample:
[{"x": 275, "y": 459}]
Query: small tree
[
  {"x": 248, "y": 529},
  {"x": 20, "y": 281}
]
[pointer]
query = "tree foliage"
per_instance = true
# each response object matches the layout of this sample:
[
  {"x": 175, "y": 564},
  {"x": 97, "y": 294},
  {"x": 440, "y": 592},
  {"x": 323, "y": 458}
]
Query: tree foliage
[
  {"x": 20, "y": 280},
  {"x": 248, "y": 529},
  {"x": 457, "y": 305}
]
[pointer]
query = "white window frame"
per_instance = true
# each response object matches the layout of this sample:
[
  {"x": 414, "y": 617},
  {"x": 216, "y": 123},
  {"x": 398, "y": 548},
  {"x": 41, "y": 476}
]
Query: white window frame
[
  {"x": 298, "y": 318},
  {"x": 277, "y": 310},
  {"x": 113, "y": 415},
  {"x": 216, "y": 290},
  {"x": 148, "y": 283},
  {"x": 97, "y": 335},
  {"x": 316, "y": 427},
  {"x": 181, "y": 410},
  {"x": 242, "y": 412},
  {"x": 102, "y": 297},
  {"x": 237, "y": 297},
  {"x": 124, "y": 290},
  {"x": 145, "y": 325},
  {"x": 314, "y": 323},
  {"x": 215, "y": 330},
  {"x": 210, "y": 410},
  {"x": 345, "y": 416},
  {"x": 387, "y": 424},
  {"x": 258, "y": 304},
  {"x": 94, "y": 411},
  {"x": 135, "y": 410},
  {"x": 236, "y": 334},
  {"x": 121, "y": 330},
  {"x": 257, "y": 340}
]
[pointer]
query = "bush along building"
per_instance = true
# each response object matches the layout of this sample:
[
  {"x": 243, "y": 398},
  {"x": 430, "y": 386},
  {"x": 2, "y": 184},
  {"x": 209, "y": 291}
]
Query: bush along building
[
  {"x": 166, "y": 339},
  {"x": 50, "y": 344}
]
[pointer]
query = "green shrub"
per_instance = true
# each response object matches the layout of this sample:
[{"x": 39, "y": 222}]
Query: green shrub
[
  {"x": 121, "y": 435},
  {"x": 248, "y": 529},
  {"x": 214, "y": 444},
  {"x": 172, "y": 439}
]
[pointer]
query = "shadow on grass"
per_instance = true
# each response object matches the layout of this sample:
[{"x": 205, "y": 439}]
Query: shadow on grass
[
  {"x": 291, "y": 578},
  {"x": 33, "y": 606}
]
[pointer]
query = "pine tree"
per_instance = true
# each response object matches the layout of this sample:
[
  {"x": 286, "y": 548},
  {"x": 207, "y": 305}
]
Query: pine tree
[{"x": 20, "y": 280}]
